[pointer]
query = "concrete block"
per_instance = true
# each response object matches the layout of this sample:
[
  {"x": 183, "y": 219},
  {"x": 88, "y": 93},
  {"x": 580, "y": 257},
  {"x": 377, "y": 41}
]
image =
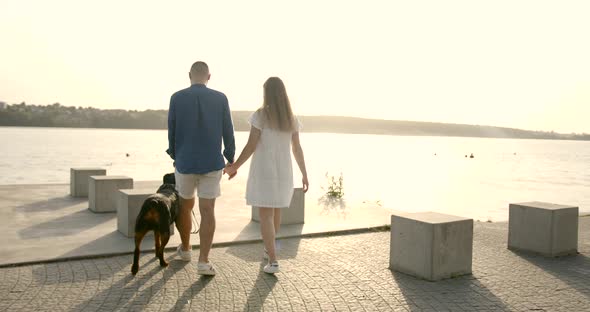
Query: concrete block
[
  {"x": 431, "y": 245},
  {"x": 103, "y": 192},
  {"x": 543, "y": 228},
  {"x": 295, "y": 214},
  {"x": 79, "y": 180},
  {"x": 129, "y": 204}
]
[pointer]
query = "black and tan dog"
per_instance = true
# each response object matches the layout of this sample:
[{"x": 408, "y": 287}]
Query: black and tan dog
[{"x": 157, "y": 213}]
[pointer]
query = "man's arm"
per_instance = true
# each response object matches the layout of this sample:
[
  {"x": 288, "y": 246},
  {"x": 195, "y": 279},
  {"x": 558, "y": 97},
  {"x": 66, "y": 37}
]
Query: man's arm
[
  {"x": 171, "y": 129},
  {"x": 229, "y": 142}
]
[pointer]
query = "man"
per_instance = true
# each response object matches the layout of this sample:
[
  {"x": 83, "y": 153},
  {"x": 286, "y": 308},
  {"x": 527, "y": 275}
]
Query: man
[{"x": 199, "y": 119}]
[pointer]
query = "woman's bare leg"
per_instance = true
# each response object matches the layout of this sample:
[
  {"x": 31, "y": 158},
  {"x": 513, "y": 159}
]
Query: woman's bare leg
[
  {"x": 277, "y": 220},
  {"x": 267, "y": 229}
]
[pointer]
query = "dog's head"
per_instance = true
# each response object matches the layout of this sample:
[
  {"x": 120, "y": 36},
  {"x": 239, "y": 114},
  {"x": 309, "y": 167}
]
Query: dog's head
[
  {"x": 167, "y": 189},
  {"x": 168, "y": 186},
  {"x": 169, "y": 179}
]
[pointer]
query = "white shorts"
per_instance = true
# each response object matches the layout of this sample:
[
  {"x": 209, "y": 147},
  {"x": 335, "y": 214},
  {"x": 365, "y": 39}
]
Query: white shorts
[{"x": 207, "y": 184}]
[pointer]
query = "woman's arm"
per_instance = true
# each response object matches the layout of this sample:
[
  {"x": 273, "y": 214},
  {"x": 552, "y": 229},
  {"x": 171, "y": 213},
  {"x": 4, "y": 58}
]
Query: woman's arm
[
  {"x": 253, "y": 138},
  {"x": 298, "y": 153}
]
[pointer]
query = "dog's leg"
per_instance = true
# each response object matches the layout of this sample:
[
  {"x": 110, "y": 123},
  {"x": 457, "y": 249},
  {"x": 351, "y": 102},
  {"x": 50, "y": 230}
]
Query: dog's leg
[
  {"x": 138, "y": 238},
  {"x": 157, "y": 240},
  {"x": 160, "y": 247},
  {"x": 164, "y": 240}
]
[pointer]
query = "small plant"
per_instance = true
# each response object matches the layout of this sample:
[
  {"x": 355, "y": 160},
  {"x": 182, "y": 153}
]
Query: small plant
[
  {"x": 333, "y": 200},
  {"x": 335, "y": 188}
]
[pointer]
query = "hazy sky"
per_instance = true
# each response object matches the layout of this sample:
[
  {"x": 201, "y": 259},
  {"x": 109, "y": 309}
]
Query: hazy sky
[{"x": 523, "y": 64}]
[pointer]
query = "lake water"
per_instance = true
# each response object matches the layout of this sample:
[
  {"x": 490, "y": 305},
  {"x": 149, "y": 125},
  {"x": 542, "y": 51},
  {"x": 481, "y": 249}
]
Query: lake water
[{"x": 398, "y": 172}]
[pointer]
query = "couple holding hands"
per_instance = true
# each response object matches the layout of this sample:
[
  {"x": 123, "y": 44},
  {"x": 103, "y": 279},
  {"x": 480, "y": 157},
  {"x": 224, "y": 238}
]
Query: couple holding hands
[{"x": 199, "y": 120}]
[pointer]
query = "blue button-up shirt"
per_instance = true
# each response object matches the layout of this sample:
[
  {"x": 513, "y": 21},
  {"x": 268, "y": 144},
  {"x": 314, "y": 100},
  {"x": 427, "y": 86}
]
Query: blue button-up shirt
[{"x": 198, "y": 119}]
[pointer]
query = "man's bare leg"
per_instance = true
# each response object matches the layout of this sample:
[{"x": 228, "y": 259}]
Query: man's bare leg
[
  {"x": 207, "y": 209},
  {"x": 184, "y": 222}
]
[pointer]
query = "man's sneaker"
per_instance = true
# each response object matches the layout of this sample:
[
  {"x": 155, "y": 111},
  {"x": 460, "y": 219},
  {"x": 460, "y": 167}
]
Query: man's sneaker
[
  {"x": 205, "y": 268},
  {"x": 271, "y": 268},
  {"x": 184, "y": 255}
]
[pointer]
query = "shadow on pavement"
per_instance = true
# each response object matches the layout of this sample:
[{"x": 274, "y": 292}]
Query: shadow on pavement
[
  {"x": 51, "y": 204},
  {"x": 249, "y": 232},
  {"x": 127, "y": 291},
  {"x": 191, "y": 292},
  {"x": 573, "y": 270},
  {"x": 286, "y": 247},
  {"x": 263, "y": 285},
  {"x": 289, "y": 247},
  {"x": 142, "y": 297},
  {"x": 461, "y": 290},
  {"x": 112, "y": 242},
  {"x": 76, "y": 222},
  {"x": 84, "y": 270}
]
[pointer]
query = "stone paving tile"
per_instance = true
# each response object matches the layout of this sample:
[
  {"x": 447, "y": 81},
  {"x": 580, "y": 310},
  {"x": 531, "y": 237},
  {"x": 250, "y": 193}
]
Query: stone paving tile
[{"x": 338, "y": 273}]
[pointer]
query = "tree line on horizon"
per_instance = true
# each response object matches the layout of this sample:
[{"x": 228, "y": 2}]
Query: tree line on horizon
[{"x": 56, "y": 115}]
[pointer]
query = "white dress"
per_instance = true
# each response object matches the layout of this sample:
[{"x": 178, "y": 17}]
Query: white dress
[{"x": 270, "y": 181}]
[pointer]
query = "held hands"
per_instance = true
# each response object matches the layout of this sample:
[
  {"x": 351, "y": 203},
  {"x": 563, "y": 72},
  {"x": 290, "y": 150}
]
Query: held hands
[{"x": 231, "y": 170}]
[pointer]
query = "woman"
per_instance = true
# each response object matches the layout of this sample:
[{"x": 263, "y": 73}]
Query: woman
[{"x": 274, "y": 129}]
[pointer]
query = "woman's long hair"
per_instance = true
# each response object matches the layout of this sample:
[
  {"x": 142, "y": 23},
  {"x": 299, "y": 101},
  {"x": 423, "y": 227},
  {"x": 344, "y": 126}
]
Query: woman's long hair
[{"x": 276, "y": 106}]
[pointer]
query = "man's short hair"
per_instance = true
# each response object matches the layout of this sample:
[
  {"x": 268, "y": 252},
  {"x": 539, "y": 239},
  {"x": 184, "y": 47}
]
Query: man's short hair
[{"x": 200, "y": 69}]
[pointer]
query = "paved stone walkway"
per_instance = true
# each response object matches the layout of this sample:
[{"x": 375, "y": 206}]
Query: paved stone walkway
[{"x": 338, "y": 273}]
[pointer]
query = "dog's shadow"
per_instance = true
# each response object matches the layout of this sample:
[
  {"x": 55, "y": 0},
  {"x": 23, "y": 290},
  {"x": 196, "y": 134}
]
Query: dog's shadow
[
  {"x": 134, "y": 287},
  {"x": 144, "y": 295}
]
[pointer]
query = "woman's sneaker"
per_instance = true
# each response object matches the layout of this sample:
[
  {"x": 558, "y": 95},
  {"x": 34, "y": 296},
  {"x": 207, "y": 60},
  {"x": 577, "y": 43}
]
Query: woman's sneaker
[
  {"x": 184, "y": 255},
  {"x": 271, "y": 267},
  {"x": 205, "y": 268}
]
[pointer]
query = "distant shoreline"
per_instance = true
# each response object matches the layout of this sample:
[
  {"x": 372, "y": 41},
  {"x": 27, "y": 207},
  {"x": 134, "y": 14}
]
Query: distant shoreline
[
  {"x": 57, "y": 116},
  {"x": 327, "y": 132}
]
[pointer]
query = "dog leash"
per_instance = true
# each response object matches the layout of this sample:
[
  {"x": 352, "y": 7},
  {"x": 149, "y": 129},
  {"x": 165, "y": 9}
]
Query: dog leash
[{"x": 195, "y": 224}]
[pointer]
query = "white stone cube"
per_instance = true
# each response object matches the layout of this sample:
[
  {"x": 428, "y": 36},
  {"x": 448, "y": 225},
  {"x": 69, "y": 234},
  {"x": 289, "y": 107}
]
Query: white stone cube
[
  {"x": 543, "y": 228},
  {"x": 295, "y": 214},
  {"x": 128, "y": 207},
  {"x": 103, "y": 192},
  {"x": 431, "y": 245},
  {"x": 79, "y": 180}
]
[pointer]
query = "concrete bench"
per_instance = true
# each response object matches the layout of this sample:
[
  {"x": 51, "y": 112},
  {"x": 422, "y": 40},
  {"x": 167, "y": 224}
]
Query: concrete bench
[
  {"x": 103, "y": 192},
  {"x": 431, "y": 245},
  {"x": 129, "y": 204},
  {"x": 295, "y": 214},
  {"x": 79, "y": 180},
  {"x": 543, "y": 228}
]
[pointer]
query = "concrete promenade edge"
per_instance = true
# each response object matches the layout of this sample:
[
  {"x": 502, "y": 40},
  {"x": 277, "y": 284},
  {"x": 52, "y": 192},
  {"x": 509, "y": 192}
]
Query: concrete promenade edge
[{"x": 47, "y": 224}]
